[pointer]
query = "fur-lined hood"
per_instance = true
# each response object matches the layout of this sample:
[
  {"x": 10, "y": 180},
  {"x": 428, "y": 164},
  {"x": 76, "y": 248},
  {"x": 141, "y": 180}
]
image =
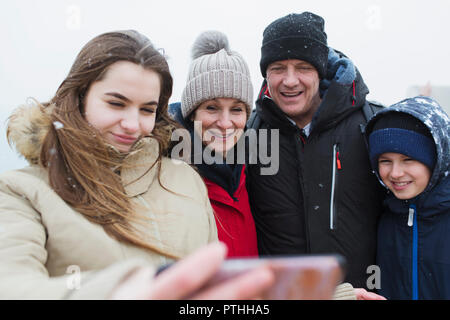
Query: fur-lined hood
[
  {"x": 26, "y": 130},
  {"x": 29, "y": 124}
]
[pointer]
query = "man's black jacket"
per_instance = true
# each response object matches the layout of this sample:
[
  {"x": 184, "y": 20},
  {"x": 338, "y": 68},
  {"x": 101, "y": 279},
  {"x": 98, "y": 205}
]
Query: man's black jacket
[{"x": 324, "y": 197}]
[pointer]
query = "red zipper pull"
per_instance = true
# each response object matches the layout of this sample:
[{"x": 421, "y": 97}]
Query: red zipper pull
[
  {"x": 303, "y": 139},
  {"x": 354, "y": 94},
  {"x": 338, "y": 161},
  {"x": 267, "y": 93}
]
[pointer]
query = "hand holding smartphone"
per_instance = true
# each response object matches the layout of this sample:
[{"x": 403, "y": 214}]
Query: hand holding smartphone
[{"x": 312, "y": 277}]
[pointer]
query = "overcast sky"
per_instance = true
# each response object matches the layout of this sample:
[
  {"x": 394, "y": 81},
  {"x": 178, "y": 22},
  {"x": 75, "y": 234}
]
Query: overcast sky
[{"x": 394, "y": 44}]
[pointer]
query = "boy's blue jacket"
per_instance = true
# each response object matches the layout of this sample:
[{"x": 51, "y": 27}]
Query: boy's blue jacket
[{"x": 414, "y": 235}]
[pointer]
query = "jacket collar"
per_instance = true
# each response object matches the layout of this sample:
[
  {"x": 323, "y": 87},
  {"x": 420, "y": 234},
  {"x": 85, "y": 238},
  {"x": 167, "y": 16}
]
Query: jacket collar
[
  {"x": 219, "y": 194},
  {"x": 29, "y": 124},
  {"x": 428, "y": 204},
  {"x": 228, "y": 178},
  {"x": 140, "y": 167}
]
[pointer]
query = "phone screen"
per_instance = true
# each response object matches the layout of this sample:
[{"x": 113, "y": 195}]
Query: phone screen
[{"x": 305, "y": 277}]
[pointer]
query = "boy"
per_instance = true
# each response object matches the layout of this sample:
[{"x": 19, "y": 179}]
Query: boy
[{"x": 410, "y": 154}]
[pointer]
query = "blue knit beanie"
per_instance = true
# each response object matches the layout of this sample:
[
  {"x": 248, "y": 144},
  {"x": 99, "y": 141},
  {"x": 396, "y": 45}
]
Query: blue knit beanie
[{"x": 402, "y": 133}]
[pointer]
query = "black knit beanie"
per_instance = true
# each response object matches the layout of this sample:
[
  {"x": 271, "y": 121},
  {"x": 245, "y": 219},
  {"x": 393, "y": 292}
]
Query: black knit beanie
[
  {"x": 402, "y": 133},
  {"x": 296, "y": 36}
]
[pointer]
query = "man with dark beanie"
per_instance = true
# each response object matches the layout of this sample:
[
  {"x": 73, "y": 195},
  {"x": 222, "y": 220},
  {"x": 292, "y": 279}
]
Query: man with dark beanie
[{"x": 324, "y": 198}]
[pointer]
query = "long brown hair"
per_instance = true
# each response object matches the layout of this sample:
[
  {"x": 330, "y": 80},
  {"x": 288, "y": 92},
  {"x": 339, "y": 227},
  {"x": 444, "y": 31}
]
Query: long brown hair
[{"x": 78, "y": 160}]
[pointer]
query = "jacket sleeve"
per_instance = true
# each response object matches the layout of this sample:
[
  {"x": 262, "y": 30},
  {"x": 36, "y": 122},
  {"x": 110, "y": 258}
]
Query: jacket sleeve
[
  {"x": 344, "y": 291},
  {"x": 23, "y": 256}
]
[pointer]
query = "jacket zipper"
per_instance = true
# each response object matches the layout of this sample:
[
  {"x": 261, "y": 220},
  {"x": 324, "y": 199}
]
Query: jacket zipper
[
  {"x": 334, "y": 180},
  {"x": 301, "y": 142},
  {"x": 412, "y": 222}
]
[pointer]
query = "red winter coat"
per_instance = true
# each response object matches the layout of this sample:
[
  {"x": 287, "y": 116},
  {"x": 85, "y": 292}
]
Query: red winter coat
[{"x": 234, "y": 220}]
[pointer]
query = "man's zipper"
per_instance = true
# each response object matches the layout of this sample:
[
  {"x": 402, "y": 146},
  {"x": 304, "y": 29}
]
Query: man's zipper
[
  {"x": 301, "y": 141},
  {"x": 334, "y": 180},
  {"x": 412, "y": 222}
]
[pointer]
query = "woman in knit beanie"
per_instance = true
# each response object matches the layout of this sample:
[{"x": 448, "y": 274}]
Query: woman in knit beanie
[
  {"x": 409, "y": 151},
  {"x": 215, "y": 106}
]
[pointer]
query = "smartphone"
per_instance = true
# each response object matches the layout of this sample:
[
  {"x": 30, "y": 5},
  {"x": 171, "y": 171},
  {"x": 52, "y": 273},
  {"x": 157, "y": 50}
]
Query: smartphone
[{"x": 304, "y": 277}]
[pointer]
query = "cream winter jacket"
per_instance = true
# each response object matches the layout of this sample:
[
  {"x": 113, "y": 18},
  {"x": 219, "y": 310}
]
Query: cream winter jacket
[{"x": 50, "y": 251}]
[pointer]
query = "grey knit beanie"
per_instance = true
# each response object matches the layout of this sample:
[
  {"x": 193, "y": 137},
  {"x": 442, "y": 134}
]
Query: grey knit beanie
[{"x": 215, "y": 72}]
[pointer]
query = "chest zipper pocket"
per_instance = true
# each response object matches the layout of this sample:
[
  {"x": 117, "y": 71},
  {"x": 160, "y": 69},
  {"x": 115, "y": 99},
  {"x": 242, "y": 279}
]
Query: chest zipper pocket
[{"x": 334, "y": 182}]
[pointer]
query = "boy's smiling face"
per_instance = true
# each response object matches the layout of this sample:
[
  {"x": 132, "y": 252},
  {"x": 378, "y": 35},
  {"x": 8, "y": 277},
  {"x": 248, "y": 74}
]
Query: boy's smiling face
[{"x": 403, "y": 175}]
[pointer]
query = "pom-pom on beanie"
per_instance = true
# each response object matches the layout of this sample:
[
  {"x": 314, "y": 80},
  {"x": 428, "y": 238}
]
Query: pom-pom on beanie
[{"x": 215, "y": 72}]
